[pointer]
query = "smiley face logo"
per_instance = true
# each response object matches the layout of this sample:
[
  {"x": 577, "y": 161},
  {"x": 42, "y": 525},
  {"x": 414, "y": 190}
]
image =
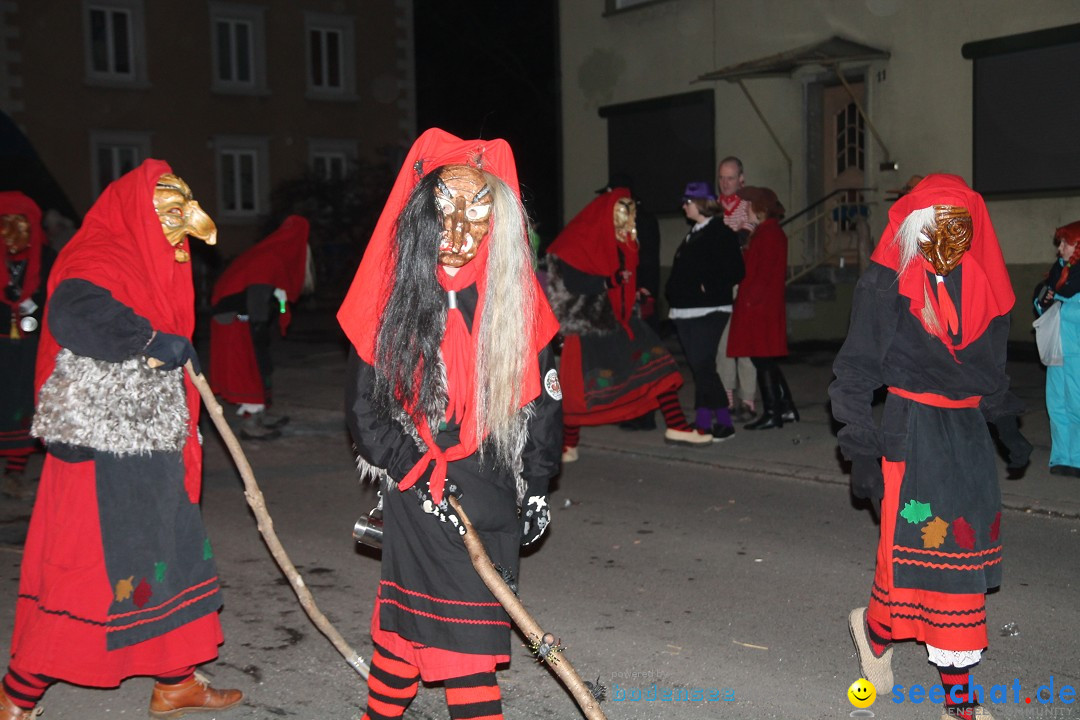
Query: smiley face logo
[{"x": 862, "y": 693}]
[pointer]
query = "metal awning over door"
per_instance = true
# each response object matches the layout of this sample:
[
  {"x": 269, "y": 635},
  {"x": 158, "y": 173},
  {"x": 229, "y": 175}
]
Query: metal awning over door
[{"x": 829, "y": 54}]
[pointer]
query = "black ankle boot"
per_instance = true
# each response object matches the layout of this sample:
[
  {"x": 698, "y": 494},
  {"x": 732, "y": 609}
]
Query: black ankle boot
[
  {"x": 769, "y": 419},
  {"x": 770, "y": 402},
  {"x": 788, "y": 412}
]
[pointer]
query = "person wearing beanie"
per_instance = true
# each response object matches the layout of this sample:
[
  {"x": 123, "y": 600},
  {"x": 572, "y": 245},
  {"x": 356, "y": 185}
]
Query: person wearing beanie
[
  {"x": 759, "y": 322},
  {"x": 707, "y": 266}
]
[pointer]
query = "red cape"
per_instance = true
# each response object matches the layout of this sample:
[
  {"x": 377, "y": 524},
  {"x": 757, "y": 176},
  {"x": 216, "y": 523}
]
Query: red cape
[
  {"x": 364, "y": 303},
  {"x": 121, "y": 247},
  {"x": 279, "y": 259},
  {"x": 15, "y": 203},
  {"x": 987, "y": 291},
  {"x": 588, "y": 244}
]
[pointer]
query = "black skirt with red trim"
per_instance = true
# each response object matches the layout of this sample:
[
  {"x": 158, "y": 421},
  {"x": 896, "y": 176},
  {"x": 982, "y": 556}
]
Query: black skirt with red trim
[
  {"x": 430, "y": 593},
  {"x": 948, "y": 520}
]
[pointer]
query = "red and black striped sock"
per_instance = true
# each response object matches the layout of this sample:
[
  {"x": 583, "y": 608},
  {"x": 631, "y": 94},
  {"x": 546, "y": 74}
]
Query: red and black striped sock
[
  {"x": 571, "y": 436},
  {"x": 880, "y": 636},
  {"x": 177, "y": 676},
  {"x": 25, "y": 689},
  {"x": 392, "y": 685},
  {"x": 672, "y": 410},
  {"x": 957, "y": 685},
  {"x": 474, "y": 697},
  {"x": 16, "y": 463}
]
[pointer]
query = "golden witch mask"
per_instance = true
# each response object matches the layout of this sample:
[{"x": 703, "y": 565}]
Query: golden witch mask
[
  {"x": 16, "y": 232},
  {"x": 180, "y": 215},
  {"x": 625, "y": 216},
  {"x": 464, "y": 201},
  {"x": 946, "y": 242}
]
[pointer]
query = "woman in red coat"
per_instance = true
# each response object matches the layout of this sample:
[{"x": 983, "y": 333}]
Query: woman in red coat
[{"x": 759, "y": 319}]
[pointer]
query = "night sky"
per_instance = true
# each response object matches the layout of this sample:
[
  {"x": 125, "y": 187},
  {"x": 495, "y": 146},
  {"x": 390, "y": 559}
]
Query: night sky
[{"x": 490, "y": 69}]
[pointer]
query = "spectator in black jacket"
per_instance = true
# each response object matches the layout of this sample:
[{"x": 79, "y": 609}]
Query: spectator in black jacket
[{"x": 707, "y": 265}]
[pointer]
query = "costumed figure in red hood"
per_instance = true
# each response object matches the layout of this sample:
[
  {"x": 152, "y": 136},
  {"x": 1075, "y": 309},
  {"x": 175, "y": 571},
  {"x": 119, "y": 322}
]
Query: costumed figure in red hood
[
  {"x": 614, "y": 368},
  {"x": 452, "y": 390},
  {"x": 1062, "y": 286},
  {"x": 23, "y": 275},
  {"x": 257, "y": 287},
  {"x": 930, "y": 320},
  {"x": 118, "y": 577}
]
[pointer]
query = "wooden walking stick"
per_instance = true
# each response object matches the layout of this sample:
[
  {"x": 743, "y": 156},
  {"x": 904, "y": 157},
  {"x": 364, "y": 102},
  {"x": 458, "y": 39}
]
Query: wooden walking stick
[
  {"x": 266, "y": 525},
  {"x": 547, "y": 648}
]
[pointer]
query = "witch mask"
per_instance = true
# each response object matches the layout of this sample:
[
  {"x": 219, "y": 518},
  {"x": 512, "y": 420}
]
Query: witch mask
[
  {"x": 181, "y": 215},
  {"x": 16, "y": 232},
  {"x": 625, "y": 217},
  {"x": 464, "y": 201},
  {"x": 945, "y": 243}
]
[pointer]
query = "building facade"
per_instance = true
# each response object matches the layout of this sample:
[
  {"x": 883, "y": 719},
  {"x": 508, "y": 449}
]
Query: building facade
[
  {"x": 237, "y": 96},
  {"x": 816, "y": 97}
]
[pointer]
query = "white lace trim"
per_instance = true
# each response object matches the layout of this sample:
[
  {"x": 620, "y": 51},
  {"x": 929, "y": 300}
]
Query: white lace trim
[{"x": 953, "y": 658}]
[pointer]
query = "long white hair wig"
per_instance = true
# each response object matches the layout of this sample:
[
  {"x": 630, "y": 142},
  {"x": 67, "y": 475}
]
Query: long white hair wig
[
  {"x": 506, "y": 325},
  {"x": 912, "y": 232}
]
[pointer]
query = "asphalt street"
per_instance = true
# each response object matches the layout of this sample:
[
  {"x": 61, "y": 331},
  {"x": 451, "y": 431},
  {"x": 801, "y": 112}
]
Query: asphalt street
[{"x": 728, "y": 571}]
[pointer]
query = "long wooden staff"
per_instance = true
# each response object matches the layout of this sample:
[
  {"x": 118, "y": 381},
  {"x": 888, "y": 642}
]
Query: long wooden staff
[
  {"x": 543, "y": 643},
  {"x": 266, "y": 525}
]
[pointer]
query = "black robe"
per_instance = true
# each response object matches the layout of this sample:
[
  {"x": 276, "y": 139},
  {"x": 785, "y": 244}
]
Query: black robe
[
  {"x": 949, "y": 453},
  {"x": 429, "y": 591}
]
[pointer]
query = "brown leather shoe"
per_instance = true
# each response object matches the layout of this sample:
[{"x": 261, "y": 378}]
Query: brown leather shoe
[
  {"x": 194, "y": 695},
  {"x": 11, "y": 711}
]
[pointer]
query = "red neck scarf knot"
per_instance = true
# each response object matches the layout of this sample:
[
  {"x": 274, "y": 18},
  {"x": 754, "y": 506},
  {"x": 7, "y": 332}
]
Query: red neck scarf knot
[{"x": 729, "y": 203}]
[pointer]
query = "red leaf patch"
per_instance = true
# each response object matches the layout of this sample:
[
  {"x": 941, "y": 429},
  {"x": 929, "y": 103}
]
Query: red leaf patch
[
  {"x": 995, "y": 528},
  {"x": 963, "y": 534},
  {"x": 142, "y": 594}
]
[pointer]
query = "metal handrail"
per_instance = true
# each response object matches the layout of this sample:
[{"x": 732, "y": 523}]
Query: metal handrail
[
  {"x": 816, "y": 238},
  {"x": 824, "y": 200}
]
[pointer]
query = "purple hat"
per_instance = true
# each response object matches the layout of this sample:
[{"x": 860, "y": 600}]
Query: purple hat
[{"x": 699, "y": 191}]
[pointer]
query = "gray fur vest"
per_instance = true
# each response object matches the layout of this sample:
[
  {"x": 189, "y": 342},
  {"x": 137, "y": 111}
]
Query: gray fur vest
[
  {"x": 125, "y": 408},
  {"x": 577, "y": 314}
]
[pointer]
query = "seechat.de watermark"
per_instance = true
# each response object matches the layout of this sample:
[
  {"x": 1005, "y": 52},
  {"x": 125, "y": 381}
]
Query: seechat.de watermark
[{"x": 1048, "y": 693}]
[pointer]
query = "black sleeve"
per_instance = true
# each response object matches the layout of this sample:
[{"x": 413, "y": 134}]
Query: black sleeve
[
  {"x": 858, "y": 365},
  {"x": 543, "y": 448},
  {"x": 87, "y": 320},
  {"x": 648, "y": 235},
  {"x": 260, "y": 302},
  {"x": 380, "y": 442},
  {"x": 582, "y": 283},
  {"x": 732, "y": 270},
  {"x": 1002, "y": 401}
]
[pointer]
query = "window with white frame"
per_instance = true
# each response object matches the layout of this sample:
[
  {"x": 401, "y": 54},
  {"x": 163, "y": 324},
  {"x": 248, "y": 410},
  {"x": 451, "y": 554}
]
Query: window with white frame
[
  {"x": 115, "y": 49},
  {"x": 113, "y": 154},
  {"x": 243, "y": 175},
  {"x": 331, "y": 54},
  {"x": 329, "y": 165},
  {"x": 330, "y": 159},
  {"x": 239, "y": 47}
]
